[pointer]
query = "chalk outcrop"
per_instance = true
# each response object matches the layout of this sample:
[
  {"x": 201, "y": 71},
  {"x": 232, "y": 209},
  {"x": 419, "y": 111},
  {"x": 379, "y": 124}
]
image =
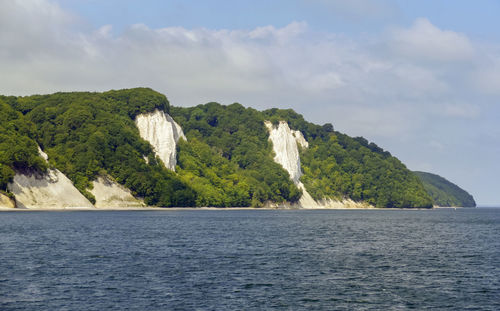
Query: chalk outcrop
[
  {"x": 285, "y": 146},
  {"x": 50, "y": 190},
  {"x": 109, "y": 194},
  {"x": 346, "y": 203},
  {"x": 6, "y": 202},
  {"x": 163, "y": 133}
]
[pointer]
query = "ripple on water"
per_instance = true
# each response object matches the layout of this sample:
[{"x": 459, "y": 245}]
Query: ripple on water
[{"x": 252, "y": 260}]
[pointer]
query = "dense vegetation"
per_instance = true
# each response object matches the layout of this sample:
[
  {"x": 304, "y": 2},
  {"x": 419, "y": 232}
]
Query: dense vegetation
[
  {"x": 228, "y": 157},
  {"x": 338, "y": 166},
  {"x": 18, "y": 149},
  {"x": 226, "y": 161},
  {"x": 444, "y": 192},
  {"x": 87, "y": 134}
]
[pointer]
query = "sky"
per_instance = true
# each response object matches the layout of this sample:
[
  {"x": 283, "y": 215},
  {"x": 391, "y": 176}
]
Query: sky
[{"x": 419, "y": 78}]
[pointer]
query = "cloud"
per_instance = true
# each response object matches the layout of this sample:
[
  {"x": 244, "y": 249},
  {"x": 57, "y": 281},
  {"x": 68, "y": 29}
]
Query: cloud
[
  {"x": 32, "y": 27},
  {"x": 424, "y": 41},
  {"x": 263, "y": 67},
  {"x": 467, "y": 111},
  {"x": 436, "y": 146},
  {"x": 405, "y": 89},
  {"x": 486, "y": 78}
]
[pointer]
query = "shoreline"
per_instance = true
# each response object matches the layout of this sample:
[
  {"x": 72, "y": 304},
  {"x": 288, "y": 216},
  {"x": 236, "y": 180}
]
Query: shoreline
[{"x": 150, "y": 208}]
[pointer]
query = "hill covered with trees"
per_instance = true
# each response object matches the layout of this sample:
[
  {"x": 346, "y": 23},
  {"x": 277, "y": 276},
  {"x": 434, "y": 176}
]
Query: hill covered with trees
[
  {"x": 444, "y": 192},
  {"x": 338, "y": 166},
  {"x": 87, "y": 134},
  {"x": 227, "y": 159},
  {"x": 18, "y": 148}
]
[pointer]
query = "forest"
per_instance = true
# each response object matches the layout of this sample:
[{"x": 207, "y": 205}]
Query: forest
[
  {"x": 18, "y": 148},
  {"x": 86, "y": 134},
  {"x": 338, "y": 166},
  {"x": 444, "y": 192},
  {"x": 227, "y": 159}
]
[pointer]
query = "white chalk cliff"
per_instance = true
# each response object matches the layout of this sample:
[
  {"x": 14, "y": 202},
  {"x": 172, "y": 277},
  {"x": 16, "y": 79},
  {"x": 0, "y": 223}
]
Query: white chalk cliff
[
  {"x": 6, "y": 202},
  {"x": 50, "y": 190},
  {"x": 285, "y": 146},
  {"x": 163, "y": 133},
  {"x": 109, "y": 194}
]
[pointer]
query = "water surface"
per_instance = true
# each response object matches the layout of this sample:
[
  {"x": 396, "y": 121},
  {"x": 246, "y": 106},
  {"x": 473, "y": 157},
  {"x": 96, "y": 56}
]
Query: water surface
[{"x": 251, "y": 260}]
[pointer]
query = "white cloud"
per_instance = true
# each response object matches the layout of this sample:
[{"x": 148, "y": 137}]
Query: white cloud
[
  {"x": 32, "y": 27},
  {"x": 284, "y": 34},
  {"x": 286, "y": 67},
  {"x": 467, "y": 111},
  {"x": 424, "y": 41},
  {"x": 436, "y": 146},
  {"x": 486, "y": 78},
  {"x": 402, "y": 89}
]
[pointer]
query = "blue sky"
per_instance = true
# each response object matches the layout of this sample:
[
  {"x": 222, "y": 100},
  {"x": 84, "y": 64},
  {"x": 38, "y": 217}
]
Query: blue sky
[
  {"x": 419, "y": 78},
  {"x": 350, "y": 17}
]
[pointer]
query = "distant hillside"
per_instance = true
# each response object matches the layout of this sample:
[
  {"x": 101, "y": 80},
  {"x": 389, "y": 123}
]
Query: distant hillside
[{"x": 444, "y": 192}]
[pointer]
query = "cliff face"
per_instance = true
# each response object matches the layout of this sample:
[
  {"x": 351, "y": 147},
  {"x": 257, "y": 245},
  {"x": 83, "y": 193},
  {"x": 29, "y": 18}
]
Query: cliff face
[
  {"x": 6, "y": 202},
  {"x": 163, "y": 133},
  {"x": 55, "y": 191},
  {"x": 285, "y": 146},
  {"x": 226, "y": 162},
  {"x": 51, "y": 190},
  {"x": 109, "y": 194},
  {"x": 286, "y": 149}
]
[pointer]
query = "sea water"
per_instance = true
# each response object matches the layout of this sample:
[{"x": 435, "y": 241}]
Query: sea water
[{"x": 251, "y": 260}]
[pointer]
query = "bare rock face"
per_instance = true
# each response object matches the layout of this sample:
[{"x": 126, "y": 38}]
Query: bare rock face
[
  {"x": 110, "y": 194},
  {"x": 52, "y": 190},
  {"x": 6, "y": 202},
  {"x": 285, "y": 146},
  {"x": 306, "y": 200},
  {"x": 163, "y": 133},
  {"x": 343, "y": 204},
  {"x": 285, "y": 149},
  {"x": 299, "y": 138}
]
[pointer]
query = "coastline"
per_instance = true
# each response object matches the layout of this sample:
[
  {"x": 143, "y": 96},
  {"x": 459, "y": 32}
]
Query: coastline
[
  {"x": 152, "y": 208},
  {"x": 454, "y": 207}
]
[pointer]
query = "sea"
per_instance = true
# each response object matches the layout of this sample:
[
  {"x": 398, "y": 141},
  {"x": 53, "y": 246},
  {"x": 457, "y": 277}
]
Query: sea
[{"x": 442, "y": 259}]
